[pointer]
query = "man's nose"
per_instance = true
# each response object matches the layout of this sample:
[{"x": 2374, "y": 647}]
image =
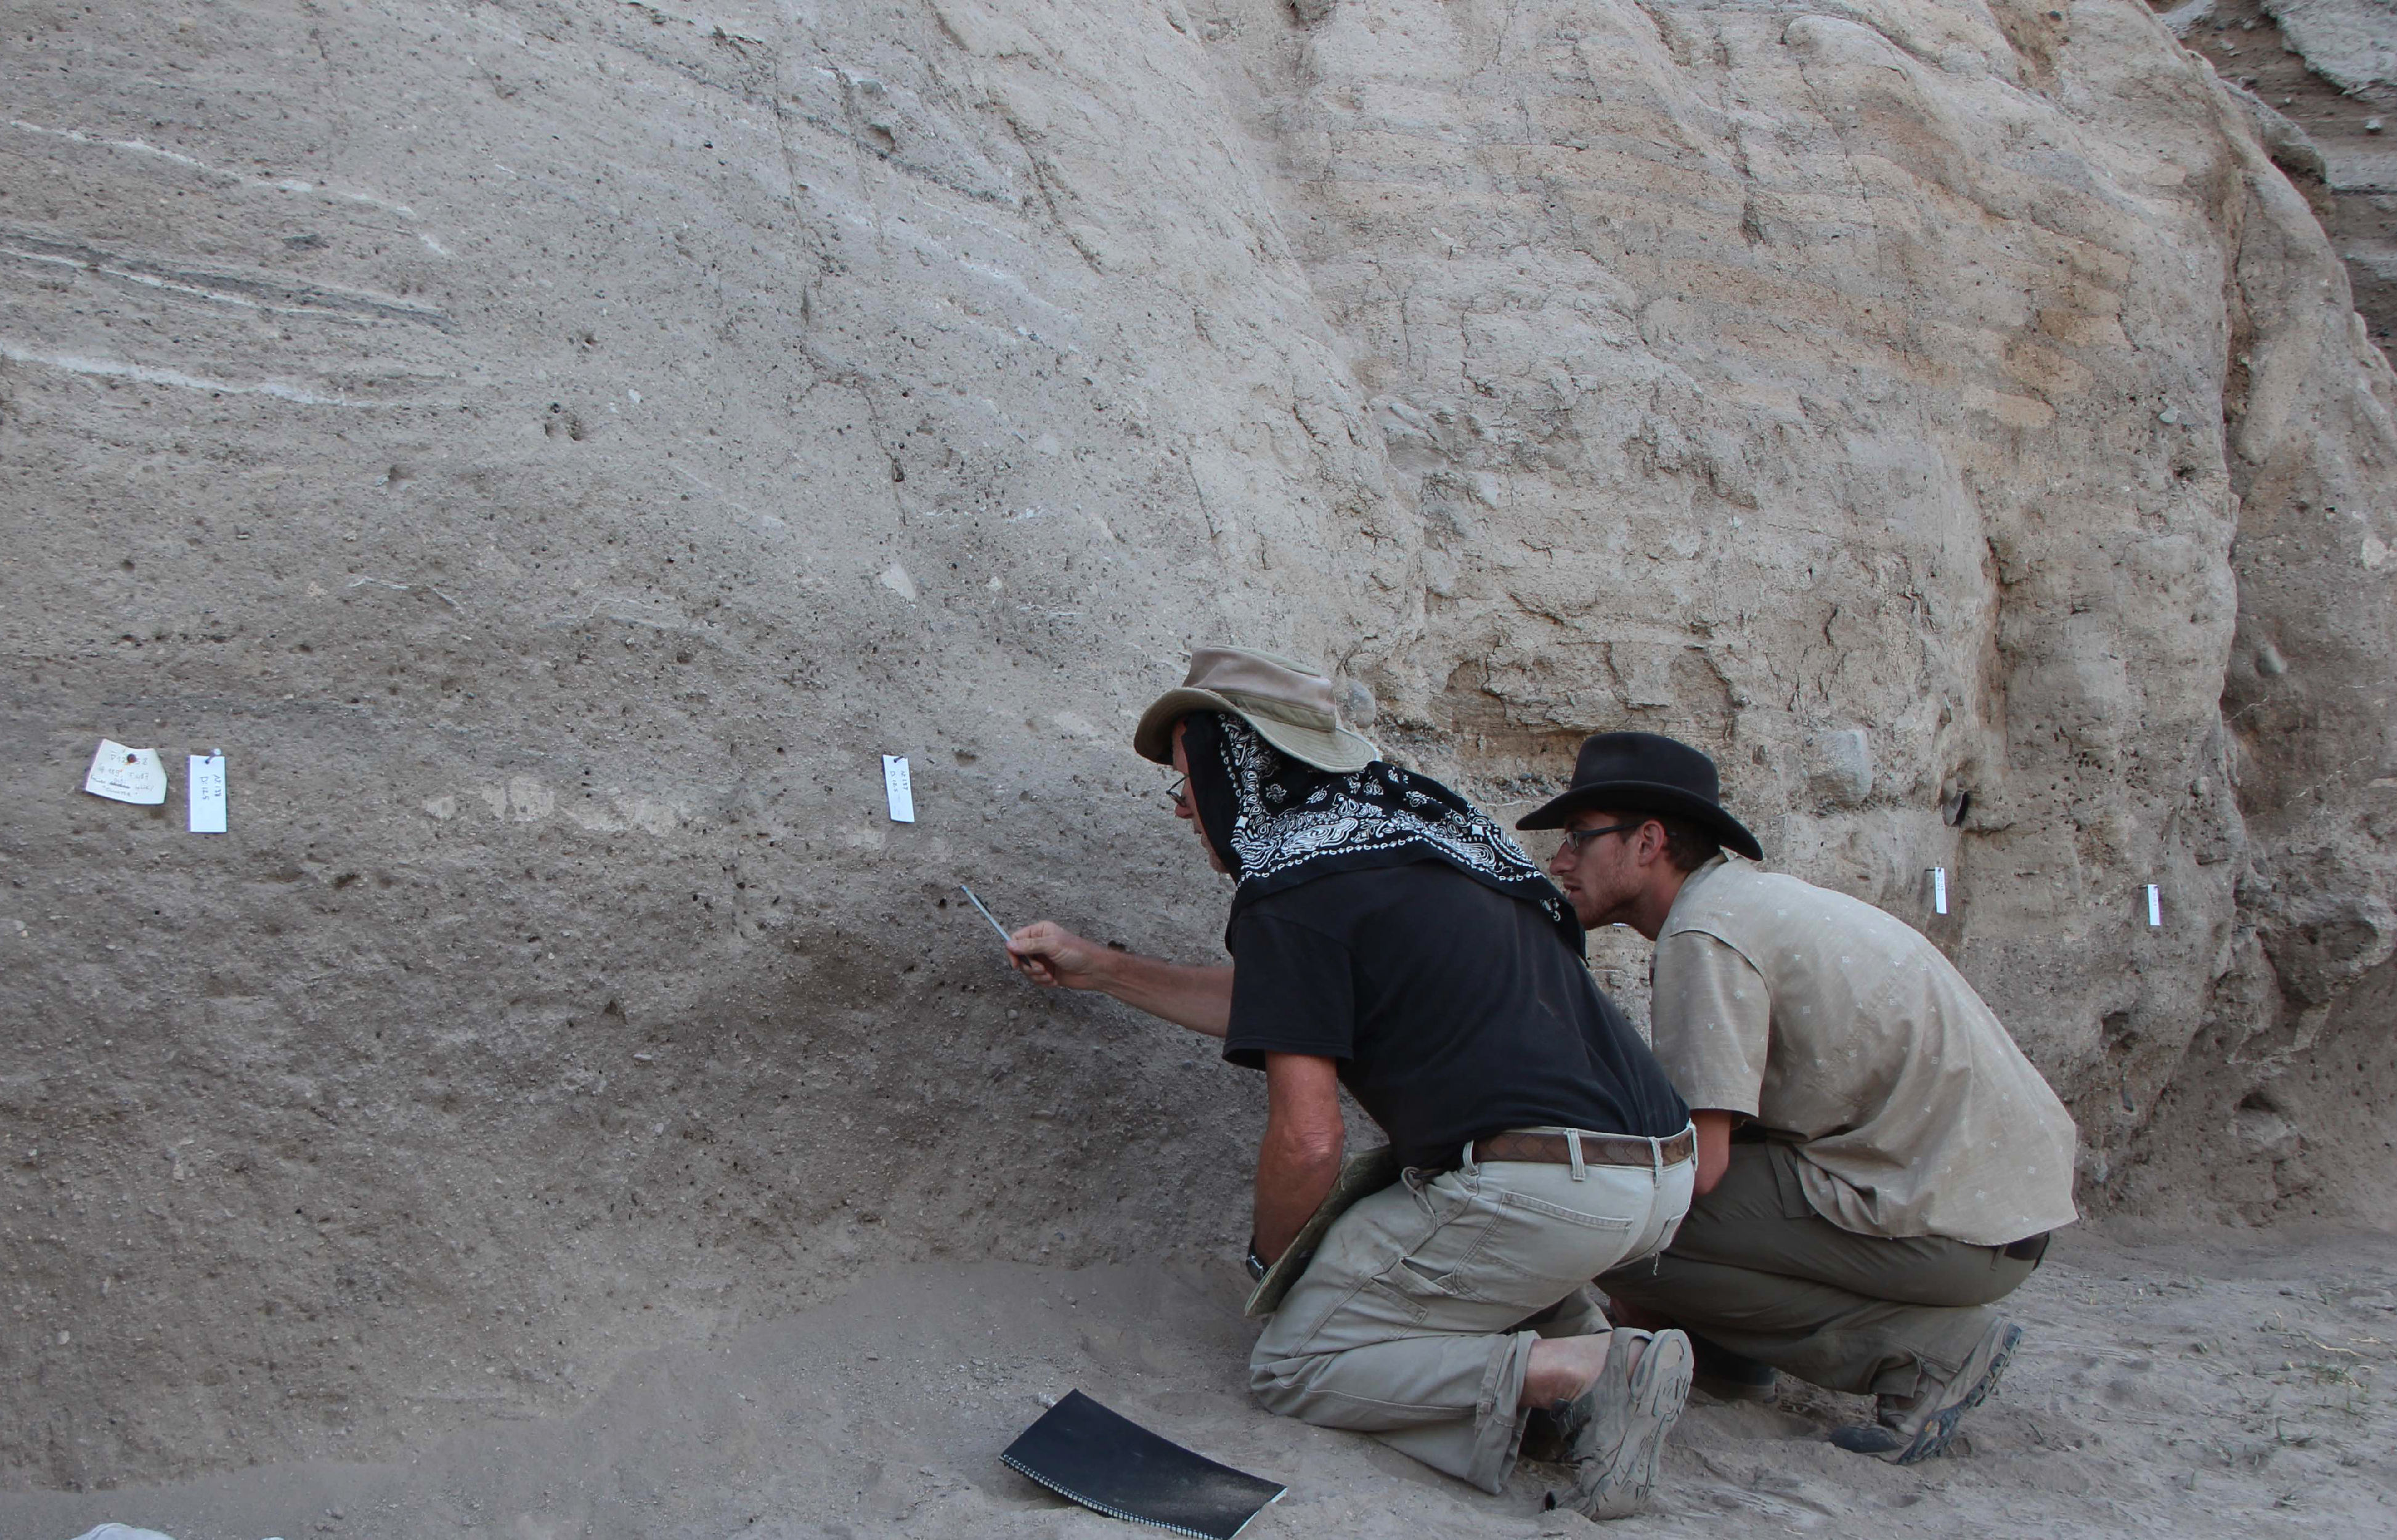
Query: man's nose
[{"x": 1559, "y": 859}]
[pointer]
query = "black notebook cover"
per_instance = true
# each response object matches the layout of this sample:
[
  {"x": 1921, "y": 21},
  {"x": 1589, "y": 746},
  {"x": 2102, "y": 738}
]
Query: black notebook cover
[{"x": 1120, "y": 1469}]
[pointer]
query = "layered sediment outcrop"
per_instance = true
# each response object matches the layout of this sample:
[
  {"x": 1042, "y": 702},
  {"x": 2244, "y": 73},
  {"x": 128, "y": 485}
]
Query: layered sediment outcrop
[
  {"x": 2326, "y": 70},
  {"x": 555, "y": 450}
]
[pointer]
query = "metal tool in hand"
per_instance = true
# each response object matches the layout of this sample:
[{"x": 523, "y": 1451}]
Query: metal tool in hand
[{"x": 986, "y": 913}]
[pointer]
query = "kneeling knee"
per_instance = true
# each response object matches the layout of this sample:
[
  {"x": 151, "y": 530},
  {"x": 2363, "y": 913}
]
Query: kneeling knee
[{"x": 1278, "y": 1385}]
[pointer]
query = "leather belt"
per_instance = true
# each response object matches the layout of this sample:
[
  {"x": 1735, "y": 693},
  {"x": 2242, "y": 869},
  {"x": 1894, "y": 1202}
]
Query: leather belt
[{"x": 1620, "y": 1150}]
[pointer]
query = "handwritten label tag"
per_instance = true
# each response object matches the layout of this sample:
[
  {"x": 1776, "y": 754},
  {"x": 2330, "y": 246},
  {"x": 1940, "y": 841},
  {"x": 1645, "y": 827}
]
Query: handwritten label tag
[
  {"x": 127, "y": 775},
  {"x": 1938, "y": 890},
  {"x": 207, "y": 791},
  {"x": 2155, "y": 906},
  {"x": 900, "y": 789}
]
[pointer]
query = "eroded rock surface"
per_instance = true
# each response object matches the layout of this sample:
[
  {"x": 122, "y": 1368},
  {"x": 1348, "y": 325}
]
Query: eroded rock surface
[{"x": 555, "y": 450}]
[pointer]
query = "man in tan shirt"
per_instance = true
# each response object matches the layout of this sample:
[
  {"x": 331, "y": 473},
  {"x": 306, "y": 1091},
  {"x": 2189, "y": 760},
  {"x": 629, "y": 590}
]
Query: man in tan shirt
[{"x": 1878, "y": 1163}]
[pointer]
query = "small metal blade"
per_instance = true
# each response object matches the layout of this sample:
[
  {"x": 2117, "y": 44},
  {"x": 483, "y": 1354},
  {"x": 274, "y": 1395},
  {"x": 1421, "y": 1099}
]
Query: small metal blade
[{"x": 986, "y": 913}]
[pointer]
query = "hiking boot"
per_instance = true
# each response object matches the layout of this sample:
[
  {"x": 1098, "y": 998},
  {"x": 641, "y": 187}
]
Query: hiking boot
[
  {"x": 1727, "y": 1375},
  {"x": 1920, "y": 1426},
  {"x": 1618, "y": 1426}
]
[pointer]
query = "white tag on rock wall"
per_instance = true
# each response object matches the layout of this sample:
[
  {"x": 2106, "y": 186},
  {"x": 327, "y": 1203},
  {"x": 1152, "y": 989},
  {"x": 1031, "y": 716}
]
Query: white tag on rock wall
[
  {"x": 207, "y": 793},
  {"x": 2155, "y": 906},
  {"x": 127, "y": 775},
  {"x": 901, "y": 791}
]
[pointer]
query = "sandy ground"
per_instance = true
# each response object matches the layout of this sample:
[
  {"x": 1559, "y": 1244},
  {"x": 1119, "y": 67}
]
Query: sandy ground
[{"x": 2209, "y": 1384}]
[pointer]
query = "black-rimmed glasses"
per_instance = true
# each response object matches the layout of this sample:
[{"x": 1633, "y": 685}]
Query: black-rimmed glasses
[
  {"x": 1177, "y": 796},
  {"x": 1579, "y": 838}
]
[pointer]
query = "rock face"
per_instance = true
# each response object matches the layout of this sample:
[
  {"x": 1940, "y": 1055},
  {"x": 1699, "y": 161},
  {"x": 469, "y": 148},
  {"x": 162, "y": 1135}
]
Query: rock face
[{"x": 555, "y": 450}]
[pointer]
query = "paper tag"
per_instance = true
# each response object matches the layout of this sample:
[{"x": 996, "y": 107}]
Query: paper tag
[
  {"x": 902, "y": 790},
  {"x": 207, "y": 793},
  {"x": 127, "y": 775},
  {"x": 2155, "y": 906},
  {"x": 1938, "y": 890}
]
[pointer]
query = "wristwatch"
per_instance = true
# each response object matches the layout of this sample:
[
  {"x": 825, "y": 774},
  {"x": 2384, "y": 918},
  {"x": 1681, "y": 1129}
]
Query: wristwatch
[{"x": 1258, "y": 1265}]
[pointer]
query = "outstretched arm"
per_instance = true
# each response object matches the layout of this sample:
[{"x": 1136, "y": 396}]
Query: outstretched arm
[{"x": 1200, "y": 998}]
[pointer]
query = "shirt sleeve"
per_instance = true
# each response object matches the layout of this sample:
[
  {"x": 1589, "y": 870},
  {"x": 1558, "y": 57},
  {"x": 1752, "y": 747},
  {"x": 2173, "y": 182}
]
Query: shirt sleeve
[
  {"x": 1292, "y": 993},
  {"x": 1711, "y": 1013}
]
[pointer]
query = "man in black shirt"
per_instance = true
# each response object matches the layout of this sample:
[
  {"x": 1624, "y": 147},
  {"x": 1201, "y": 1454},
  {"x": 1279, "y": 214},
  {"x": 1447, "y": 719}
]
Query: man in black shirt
[
  {"x": 1389, "y": 938},
  {"x": 1450, "y": 1008}
]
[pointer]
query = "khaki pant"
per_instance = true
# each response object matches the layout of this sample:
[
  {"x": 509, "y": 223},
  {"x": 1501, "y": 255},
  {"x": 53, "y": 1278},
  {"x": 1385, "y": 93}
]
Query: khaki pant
[
  {"x": 1757, "y": 1271},
  {"x": 1412, "y": 1321}
]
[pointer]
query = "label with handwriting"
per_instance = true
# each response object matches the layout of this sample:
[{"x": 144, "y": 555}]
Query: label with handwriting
[{"x": 127, "y": 775}]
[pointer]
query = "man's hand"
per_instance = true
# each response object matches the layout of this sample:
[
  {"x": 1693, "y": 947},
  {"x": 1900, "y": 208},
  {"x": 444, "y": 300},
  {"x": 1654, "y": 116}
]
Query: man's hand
[
  {"x": 1050, "y": 955},
  {"x": 1300, "y": 1158}
]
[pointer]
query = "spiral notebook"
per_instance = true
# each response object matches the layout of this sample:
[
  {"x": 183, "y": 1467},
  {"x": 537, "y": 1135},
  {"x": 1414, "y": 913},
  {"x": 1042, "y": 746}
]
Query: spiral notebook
[{"x": 1114, "y": 1466}]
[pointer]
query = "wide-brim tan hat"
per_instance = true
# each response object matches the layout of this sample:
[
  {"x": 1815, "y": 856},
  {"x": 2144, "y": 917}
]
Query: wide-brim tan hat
[{"x": 1287, "y": 702}]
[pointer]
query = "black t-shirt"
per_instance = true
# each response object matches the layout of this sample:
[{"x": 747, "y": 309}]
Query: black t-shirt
[{"x": 1454, "y": 1011}]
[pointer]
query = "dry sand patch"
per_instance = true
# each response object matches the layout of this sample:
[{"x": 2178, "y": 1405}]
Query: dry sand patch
[{"x": 2211, "y": 1383}]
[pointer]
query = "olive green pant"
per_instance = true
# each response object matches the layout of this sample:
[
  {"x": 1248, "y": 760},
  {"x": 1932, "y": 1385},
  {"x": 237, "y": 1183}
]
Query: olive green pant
[{"x": 1759, "y": 1272}]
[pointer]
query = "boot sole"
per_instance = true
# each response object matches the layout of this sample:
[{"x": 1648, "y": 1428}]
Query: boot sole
[
  {"x": 1934, "y": 1435},
  {"x": 1615, "y": 1484}
]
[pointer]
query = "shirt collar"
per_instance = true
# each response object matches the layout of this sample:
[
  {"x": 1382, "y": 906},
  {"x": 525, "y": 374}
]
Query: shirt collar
[{"x": 1690, "y": 886}]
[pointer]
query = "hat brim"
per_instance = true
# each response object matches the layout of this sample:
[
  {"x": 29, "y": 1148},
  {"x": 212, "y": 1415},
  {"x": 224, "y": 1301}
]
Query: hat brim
[
  {"x": 1647, "y": 797},
  {"x": 1338, "y": 750}
]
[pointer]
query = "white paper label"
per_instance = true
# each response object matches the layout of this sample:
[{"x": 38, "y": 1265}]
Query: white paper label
[
  {"x": 208, "y": 790},
  {"x": 127, "y": 775},
  {"x": 1938, "y": 890},
  {"x": 902, "y": 790},
  {"x": 2155, "y": 906}
]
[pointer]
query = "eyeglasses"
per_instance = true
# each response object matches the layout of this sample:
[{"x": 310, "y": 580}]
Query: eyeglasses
[
  {"x": 1177, "y": 796},
  {"x": 1579, "y": 838}
]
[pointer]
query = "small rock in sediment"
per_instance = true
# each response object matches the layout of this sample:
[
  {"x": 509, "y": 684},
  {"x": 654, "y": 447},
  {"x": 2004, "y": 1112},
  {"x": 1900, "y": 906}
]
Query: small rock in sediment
[{"x": 2372, "y": 126}]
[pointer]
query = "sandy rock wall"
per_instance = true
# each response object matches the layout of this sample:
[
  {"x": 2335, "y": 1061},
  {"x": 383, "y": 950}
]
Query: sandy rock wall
[
  {"x": 1935, "y": 413},
  {"x": 554, "y": 449}
]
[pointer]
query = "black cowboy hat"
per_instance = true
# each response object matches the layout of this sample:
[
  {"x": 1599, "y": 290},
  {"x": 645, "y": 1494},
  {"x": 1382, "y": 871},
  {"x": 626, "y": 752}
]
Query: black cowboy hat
[{"x": 1647, "y": 772}]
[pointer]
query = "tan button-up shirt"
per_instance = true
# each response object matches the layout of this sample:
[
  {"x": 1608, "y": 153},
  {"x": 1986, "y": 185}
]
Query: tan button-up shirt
[{"x": 1841, "y": 1028}]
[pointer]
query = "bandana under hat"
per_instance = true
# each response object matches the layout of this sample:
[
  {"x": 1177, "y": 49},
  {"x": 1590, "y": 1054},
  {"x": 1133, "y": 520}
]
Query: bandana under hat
[{"x": 1277, "y": 822}]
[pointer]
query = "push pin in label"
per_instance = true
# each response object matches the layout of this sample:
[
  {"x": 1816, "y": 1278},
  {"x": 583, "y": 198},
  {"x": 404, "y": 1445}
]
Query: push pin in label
[
  {"x": 127, "y": 775},
  {"x": 901, "y": 791}
]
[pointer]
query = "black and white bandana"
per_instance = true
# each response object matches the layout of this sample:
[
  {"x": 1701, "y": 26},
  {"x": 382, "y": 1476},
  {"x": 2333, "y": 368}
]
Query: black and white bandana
[{"x": 1286, "y": 822}]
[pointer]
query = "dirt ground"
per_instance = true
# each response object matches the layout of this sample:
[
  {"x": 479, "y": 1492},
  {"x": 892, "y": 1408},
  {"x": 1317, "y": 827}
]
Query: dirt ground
[{"x": 2194, "y": 1384}]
